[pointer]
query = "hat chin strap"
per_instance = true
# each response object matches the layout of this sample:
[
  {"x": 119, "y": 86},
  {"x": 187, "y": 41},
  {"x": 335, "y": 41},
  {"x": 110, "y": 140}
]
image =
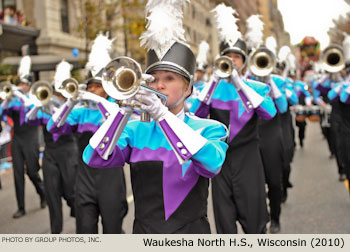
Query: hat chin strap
[
  {"x": 242, "y": 67},
  {"x": 177, "y": 103},
  {"x": 183, "y": 98}
]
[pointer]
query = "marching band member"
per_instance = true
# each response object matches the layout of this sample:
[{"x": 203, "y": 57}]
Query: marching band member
[
  {"x": 171, "y": 157},
  {"x": 25, "y": 145},
  {"x": 286, "y": 118},
  {"x": 98, "y": 192},
  {"x": 322, "y": 100},
  {"x": 324, "y": 85},
  {"x": 200, "y": 81},
  {"x": 261, "y": 64},
  {"x": 341, "y": 92},
  {"x": 238, "y": 104},
  {"x": 304, "y": 99},
  {"x": 60, "y": 155}
]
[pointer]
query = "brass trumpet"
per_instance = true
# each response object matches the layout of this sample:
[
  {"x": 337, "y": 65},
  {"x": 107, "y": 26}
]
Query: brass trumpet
[
  {"x": 223, "y": 66},
  {"x": 333, "y": 59},
  {"x": 40, "y": 93},
  {"x": 6, "y": 90},
  {"x": 69, "y": 88},
  {"x": 121, "y": 79},
  {"x": 261, "y": 62}
]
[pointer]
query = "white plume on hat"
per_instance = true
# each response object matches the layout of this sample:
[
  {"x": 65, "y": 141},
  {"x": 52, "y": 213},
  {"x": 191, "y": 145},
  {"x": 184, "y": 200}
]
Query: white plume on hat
[
  {"x": 24, "y": 67},
  {"x": 283, "y": 53},
  {"x": 164, "y": 25},
  {"x": 226, "y": 24},
  {"x": 99, "y": 55},
  {"x": 254, "y": 34},
  {"x": 292, "y": 62},
  {"x": 202, "y": 57},
  {"x": 271, "y": 44},
  {"x": 62, "y": 73},
  {"x": 346, "y": 47}
]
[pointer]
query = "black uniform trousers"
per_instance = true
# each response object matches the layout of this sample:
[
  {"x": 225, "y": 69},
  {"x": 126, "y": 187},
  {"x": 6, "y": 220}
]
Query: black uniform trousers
[
  {"x": 239, "y": 189},
  {"x": 301, "y": 124},
  {"x": 288, "y": 147},
  {"x": 100, "y": 191},
  {"x": 325, "y": 126},
  {"x": 239, "y": 192},
  {"x": 59, "y": 168},
  {"x": 336, "y": 129},
  {"x": 271, "y": 149},
  {"x": 25, "y": 153},
  {"x": 345, "y": 133}
]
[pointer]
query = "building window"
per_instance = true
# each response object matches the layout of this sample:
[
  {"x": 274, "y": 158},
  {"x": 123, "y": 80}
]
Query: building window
[{"x": 64, "y": 16}]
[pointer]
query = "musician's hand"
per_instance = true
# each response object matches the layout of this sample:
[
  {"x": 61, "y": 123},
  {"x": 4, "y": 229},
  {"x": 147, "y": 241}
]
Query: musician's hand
[
  {"x": 149, "y": 102},
  {"x": 147, "y": 78}
]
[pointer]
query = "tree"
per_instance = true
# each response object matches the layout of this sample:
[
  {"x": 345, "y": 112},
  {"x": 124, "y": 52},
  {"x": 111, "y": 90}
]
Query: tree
[
  {"x": 97, "y": 16},
  {"x": 341, "y": 27},
  {"x": 134, "y": 25}
]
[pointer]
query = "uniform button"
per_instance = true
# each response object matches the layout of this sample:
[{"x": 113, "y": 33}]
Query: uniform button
[
  {"x": 101, "y": 146},
  {"x": 107, "y": 114},
  {"x": 179, "y": 145},
  {"x": 105, "y": 139},
  {"x": 184, "y": 152},
  {"x": 250, "y": 106}
]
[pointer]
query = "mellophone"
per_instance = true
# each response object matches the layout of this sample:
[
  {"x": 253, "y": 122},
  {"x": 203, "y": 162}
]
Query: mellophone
[{"x": 312, "y": 113}]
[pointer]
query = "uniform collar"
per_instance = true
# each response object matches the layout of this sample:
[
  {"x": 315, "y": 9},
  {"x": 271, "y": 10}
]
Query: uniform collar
[{"x": 181, "y": 114}]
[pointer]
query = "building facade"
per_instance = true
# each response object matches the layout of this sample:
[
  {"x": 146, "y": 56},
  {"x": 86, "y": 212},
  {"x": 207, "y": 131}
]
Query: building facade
[{"x": 52, "y": 26}]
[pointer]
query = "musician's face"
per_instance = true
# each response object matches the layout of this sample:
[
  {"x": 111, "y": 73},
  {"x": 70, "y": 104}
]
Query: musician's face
[
  {"x": 174, "y": 86},
  {"x": 199, "y": 76},
  {"x": 97, "y": 89},
  {"x": 237, "y": 59},
  {"x": 24, "y": 86}
]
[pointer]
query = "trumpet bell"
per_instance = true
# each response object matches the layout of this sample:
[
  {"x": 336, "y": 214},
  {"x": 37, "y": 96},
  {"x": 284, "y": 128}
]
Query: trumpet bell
[
  {"x": 262, "y": 62},
  {"x": 69, "y": 88},
  {"x": 121, "y": 78},
  {"x": 333, "y": 59},
  {"x": 40, "y": 93},
  {"x": 5, "y": 90},
  {"x": 223, "y": 66}
]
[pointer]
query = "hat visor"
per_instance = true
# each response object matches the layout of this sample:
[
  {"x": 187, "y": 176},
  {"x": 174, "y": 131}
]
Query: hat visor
[{"x": 167, "y": 67}]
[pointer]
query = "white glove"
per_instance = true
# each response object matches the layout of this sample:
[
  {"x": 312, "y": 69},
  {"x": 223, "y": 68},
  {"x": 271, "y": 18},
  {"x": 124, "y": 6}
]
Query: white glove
[
  {"x": 149, "y": 102},
  {"x": 147, "y": 78},
  {"x": 22, "y": 96},
  {"x": 109, "y": 106}
]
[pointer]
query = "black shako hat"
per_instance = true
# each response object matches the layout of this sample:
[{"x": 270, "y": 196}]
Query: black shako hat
[
  {"x": 238, "y": 47},
  {"x": 97, "y": 78},
  {"x": 179, "y": 59},
  {"x": 28, "y": 79}
]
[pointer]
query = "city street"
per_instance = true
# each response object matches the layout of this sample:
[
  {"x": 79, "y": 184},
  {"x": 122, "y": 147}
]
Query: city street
[{"x": 317, "y": 204}]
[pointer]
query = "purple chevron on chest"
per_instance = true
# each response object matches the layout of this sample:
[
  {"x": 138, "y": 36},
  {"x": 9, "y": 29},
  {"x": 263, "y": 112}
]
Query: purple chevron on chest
[
  {"x": 175, "y": 186},
  {"x": 238, "y": 115},
  {"x": 87, "y": 127}
]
